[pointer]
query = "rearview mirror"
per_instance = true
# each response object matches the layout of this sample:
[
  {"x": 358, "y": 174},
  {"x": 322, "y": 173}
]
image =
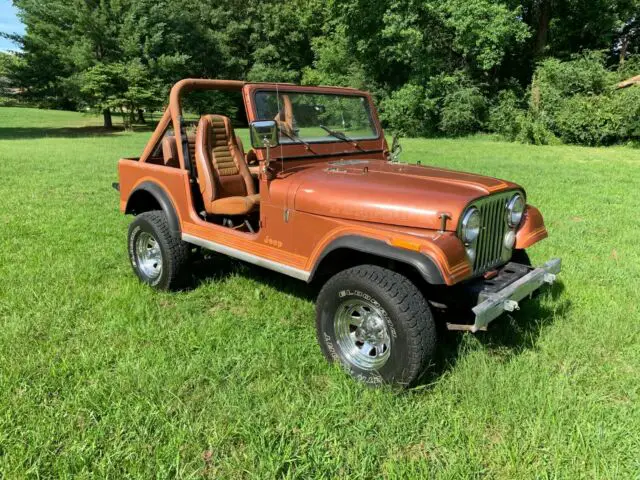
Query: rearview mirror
[{"x": 264, "y": 134}]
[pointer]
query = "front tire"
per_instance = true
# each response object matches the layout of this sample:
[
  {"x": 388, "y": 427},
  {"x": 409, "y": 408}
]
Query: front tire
[
  {"x": 157, "y": 256},
  {"x": 377, "y": 324}
]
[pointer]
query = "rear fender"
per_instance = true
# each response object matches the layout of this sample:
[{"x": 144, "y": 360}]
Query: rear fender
[{"x": 139, "y": 201}]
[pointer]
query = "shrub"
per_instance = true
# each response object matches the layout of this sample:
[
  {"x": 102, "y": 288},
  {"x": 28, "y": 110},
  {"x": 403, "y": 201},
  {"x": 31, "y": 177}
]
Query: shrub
[
  {"x": 533, "y": 129},
  {"x": 504, "y": 115},
  {"x": 509, "y": 118},
  {"x": 405, "y": 112},
  {"x": 463, "y": 111},
  {"x": 555, "y": 81},
  {"x": 573, "y": 101},
  {"x": 448, "y": 104},
  {"x": 588, "y": 120},
  {"x": 630, "y": 68},
  {"x": 626, "y": 104},
  {"x": 600, "y": 119},
  {"x": 585, "y": 74}
]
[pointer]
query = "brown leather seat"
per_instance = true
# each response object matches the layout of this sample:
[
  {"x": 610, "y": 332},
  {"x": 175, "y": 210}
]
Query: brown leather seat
[
  {"x": 170, "y": 150},
  {"x": 251, "y": 159},
  {"x": 225, "y": 182}
]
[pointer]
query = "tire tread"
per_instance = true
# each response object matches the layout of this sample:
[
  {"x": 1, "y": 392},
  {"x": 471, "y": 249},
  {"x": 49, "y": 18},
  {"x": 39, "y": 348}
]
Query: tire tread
[
  {"x": 177, "y": 250},
  {"x": 415, "y": 312}
]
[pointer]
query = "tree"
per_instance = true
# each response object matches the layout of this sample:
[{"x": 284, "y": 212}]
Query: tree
[
  {"x": 91, "y": 54},
  {"x": 441, "y": 61},
  {"x": 7, "y": 64}
]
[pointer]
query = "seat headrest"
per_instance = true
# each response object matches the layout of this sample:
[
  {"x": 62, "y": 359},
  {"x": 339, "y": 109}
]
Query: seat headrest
[{"x": 220, "y": 131}]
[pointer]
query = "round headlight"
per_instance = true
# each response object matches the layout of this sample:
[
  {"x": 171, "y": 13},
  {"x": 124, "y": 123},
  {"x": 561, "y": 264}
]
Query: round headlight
[
  {"x": 470, "y": 226},
  {"x": 515, "y": 210}
]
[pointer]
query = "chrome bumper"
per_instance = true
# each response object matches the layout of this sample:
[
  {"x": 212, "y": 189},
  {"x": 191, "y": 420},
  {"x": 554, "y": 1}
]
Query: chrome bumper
[{"x": 506, "y": 300}]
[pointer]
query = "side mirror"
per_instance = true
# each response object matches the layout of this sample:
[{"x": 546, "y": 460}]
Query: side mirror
[
  {"x": 396, "y": 149},
  {"x": 264, "y": 134}
]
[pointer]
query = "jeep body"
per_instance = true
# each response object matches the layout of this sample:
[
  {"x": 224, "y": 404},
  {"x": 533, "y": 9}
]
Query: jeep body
[{"x": 324, "y": 198}]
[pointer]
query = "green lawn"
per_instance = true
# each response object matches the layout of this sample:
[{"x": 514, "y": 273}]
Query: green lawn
[{"x": 101, "y": 376}]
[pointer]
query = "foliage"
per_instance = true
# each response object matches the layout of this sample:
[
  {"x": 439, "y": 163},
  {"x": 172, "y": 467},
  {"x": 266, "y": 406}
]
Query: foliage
[
  {"x": 406, "y": 112},
  {"x": 84, "y": 53},
  {"x": 333, "y": 64},
  {"x": 483, "y": 31},
  {"x": 462, "y": 111},
  {"x": 574, "y": 101},
  {"x": 600, "y": 119},
  {"x": 505, "y": 114},
  {"x": 117, "y": 86},
  {"x": 6, "y": 64},
  {"x": 449, "y": 104}
]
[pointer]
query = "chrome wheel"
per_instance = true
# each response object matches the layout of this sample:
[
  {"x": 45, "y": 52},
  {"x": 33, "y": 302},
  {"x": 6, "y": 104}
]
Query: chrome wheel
[
  {"x": 149, "y": 256},
  {"x": 362, "y": 333}
]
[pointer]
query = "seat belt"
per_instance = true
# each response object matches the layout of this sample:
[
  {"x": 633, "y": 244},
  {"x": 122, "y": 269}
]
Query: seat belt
[{"x": 185, "y": 152}]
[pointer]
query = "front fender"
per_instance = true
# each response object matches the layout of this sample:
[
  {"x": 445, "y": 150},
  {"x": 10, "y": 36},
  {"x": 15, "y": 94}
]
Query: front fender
[
  {"x": 440, "y": 260},
  {"x": 532, "y": 229}
]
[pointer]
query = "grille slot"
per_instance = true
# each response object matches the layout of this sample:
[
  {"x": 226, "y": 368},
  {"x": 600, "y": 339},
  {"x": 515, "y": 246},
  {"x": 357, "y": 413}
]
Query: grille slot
[{"x": 490, "y": 251}]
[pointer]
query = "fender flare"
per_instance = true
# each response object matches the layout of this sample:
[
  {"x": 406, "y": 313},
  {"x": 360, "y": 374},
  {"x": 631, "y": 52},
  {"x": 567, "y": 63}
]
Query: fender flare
[
  {"x": 163, "y": 199},
  {"x": 423, "y": 263}
]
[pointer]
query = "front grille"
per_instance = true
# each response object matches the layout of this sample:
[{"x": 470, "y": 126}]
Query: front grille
[{"x": 490, "y": 251}]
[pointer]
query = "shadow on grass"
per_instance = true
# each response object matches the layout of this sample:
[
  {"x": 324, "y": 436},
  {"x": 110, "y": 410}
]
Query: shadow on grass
[
  {"x": 211, "y": 267},
  {"x": 22, "y": 133},
  {"x": 507, "y": 336}
]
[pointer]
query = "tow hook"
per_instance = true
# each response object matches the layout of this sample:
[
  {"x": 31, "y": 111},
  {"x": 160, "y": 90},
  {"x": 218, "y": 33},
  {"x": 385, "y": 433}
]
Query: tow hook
[{"x": 511, "y": 306}]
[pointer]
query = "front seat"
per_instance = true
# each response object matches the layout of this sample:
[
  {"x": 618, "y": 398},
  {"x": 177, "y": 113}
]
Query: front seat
[{"x": 225, "y": 182}]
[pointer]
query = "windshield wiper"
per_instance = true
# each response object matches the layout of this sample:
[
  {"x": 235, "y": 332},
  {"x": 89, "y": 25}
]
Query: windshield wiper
[
  {"x": 341, "y": 136},
  {"x": 296, "y": 139}
]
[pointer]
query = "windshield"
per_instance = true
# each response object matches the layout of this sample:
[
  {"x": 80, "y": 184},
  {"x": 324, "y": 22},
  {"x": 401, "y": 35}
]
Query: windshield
[{"x": 316, "y": 117}]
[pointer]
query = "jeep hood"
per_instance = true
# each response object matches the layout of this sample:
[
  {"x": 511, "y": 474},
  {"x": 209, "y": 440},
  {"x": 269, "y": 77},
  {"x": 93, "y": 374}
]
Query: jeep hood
[{"x": 390, "y": 193}]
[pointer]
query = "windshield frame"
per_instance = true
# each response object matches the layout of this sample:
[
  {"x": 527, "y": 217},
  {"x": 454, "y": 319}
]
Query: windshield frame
[{"x": 281, "y": 89}]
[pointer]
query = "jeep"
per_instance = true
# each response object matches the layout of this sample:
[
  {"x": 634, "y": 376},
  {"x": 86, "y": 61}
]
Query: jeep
[{"x": 321, "y": 197}]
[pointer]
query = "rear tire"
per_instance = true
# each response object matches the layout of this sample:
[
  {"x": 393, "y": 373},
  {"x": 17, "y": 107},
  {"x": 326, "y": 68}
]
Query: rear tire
[
  {"x": 377, "y": 324},
  {"x": 157, "y": 256}
]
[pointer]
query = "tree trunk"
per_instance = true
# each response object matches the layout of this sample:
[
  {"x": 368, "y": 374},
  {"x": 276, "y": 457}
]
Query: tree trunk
[
  {"x": 141, "y": 116},
  {"x": 125, "y": 118},
  {"x": 132, "y": 116},
  {"x": 108, "y": 123},
  {"x": 542, "y": 32}
]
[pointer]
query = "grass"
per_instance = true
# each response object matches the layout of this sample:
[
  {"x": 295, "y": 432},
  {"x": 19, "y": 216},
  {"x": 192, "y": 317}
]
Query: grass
[{"x": 100, "y": 376}]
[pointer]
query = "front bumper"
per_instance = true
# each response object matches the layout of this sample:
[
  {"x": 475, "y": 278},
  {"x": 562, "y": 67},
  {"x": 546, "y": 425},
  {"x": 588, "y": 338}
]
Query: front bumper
[{"x": 494, "y": 302}]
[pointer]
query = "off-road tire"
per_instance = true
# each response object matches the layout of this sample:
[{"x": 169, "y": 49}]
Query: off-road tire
[
  {"x": 408, "y": 316},
  {"x": 174, "y": 251}
]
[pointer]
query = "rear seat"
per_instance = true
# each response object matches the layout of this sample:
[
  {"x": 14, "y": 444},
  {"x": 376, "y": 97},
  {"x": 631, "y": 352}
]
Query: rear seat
[{"x": 170, "y": 150}]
